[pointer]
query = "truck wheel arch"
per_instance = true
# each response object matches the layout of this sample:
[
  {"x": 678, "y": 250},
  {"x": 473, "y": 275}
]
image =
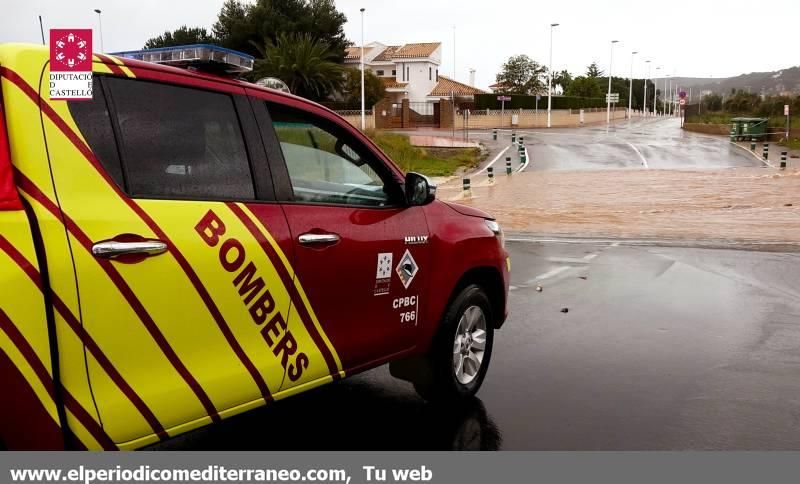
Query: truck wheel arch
[{"x": 490, "y": 279}]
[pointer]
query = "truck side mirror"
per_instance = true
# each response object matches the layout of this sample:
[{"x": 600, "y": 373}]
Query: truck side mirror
[{"x": 419, "y": 190}]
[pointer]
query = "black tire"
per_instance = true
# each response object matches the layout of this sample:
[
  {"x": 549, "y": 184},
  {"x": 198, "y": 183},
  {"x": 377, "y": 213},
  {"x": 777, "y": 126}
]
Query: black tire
[{"x": 443, "y": 384}]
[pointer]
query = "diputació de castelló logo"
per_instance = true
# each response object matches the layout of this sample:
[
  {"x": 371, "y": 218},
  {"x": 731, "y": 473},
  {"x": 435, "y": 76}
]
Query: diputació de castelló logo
[{"x": 70, "y": 64}]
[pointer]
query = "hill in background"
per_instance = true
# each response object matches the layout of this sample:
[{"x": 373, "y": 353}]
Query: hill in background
[{"x": 785, "y": 81}]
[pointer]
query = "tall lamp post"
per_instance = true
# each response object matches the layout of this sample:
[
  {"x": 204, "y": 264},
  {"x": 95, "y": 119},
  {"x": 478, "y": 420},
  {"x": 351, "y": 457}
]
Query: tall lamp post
[
  {"x": 630, "y": 88},
  {"x": 100, "y": 22},
  {"x": 647, "y": 79},
  {"x": 655, "y": 94},
  {"x": 608, "y": 98},
  {"x": 363, "y": 114},
  {"x": 667, "y": 93},
  {"x": 550, "y": 77}
]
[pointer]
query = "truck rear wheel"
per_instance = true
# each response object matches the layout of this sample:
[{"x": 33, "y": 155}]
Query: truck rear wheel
[{"x": 459, "y": 356}]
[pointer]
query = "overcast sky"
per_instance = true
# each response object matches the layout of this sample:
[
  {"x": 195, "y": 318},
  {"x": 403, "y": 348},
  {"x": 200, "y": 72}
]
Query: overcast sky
[{"x": 697, "y": 38}]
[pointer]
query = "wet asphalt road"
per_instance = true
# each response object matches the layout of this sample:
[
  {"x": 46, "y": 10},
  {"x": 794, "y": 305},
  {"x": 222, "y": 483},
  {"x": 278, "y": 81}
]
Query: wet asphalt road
[{"x": 661, "y": 348}]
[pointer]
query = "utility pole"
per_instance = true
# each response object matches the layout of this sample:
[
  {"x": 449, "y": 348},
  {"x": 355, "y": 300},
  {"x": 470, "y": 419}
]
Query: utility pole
[
  {"x": 630, "y": 88},
  {"x": 454, "y": 52},
  {"x": 655, "y": 94},
  {"x": 667, "y": 93},
  {"x": 610, "y": 67},
  {"x": 363, "y": 112},
  {"x": 549, "y": 79},
  {"x": 647, "y": 79}
]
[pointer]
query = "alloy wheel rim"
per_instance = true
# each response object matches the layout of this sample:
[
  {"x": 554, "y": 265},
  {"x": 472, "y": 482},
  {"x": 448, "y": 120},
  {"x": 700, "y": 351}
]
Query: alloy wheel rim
[{"x": 469, "y": 345}]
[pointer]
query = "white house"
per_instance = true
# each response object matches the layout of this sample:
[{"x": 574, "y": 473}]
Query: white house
[{"x": 409, "y": 71}]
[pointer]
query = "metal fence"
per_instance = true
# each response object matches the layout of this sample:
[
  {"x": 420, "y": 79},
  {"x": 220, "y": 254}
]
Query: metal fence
[
  {"x": 423, "y": 113},
  {"x": 353, "y": 112}
]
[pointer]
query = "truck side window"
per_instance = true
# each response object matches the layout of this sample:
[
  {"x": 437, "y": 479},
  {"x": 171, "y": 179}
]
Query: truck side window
[
  {"x": 94, "y": 123},
  {"x": 180, "y": 143},
  {"x": 323, "y": 165}
]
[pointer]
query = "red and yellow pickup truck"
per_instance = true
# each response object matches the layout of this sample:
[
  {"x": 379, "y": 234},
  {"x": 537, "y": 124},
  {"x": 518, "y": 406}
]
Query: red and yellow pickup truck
[{"x": 184, "y": 247}]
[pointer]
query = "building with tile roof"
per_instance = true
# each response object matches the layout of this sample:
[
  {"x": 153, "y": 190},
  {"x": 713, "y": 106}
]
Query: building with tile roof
[{"x": 408, "y": 71}]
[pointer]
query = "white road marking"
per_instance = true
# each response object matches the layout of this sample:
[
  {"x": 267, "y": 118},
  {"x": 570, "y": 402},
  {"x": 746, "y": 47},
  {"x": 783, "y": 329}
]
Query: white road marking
[
  {"x": 589, "y": 256},
  {"x": 549, "y": 274},
  {"x": 527, "y": 160},
  {"x": 644, "y": 162},
  {"x": 570, "y": 260},
  {"x": 759, "y": 158},
  {"x": 493, "y": 161},
  {"x": 615, "y": 244}
]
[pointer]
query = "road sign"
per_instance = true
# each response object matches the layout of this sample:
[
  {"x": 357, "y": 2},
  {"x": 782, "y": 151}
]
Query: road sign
[
  {"x": 538, "y": 97},
  {"x": 613, "y": 97},
  {"x": 683, "y": 102},
  {"x": 682, "y": 94},
  {"x": 504, "y": 98},
  {"x": 785, "y": 109}
]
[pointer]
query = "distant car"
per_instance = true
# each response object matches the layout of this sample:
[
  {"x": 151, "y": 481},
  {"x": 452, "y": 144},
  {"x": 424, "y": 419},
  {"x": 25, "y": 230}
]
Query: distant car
[{"x": 186, "y": 247}]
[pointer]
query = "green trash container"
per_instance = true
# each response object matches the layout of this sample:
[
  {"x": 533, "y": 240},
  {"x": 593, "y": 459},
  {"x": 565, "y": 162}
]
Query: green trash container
[{"x": 748, "y": 128}]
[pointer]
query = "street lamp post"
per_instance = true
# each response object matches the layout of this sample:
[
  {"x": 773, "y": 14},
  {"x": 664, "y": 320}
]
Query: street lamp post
[
  {"x": 550, "y": 77},
  {"x": 630, "y": 88},
  {"x": 610, "y": 67},
  {"x": 100, "y": 22},
  {"x": 647, "y": 79},
  {"x": 363, "y": 113},
  {"x": 667, "y": 93},
  {"x": 655, "y": 94}
]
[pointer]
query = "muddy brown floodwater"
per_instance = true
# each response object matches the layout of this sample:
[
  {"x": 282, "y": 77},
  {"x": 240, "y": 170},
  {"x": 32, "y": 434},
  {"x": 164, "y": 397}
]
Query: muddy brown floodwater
[{"x": 752, "y": 205}]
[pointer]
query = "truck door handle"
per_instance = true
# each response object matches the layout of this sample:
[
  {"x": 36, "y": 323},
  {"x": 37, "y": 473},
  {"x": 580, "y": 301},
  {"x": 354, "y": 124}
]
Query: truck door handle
[
  {"x": 318, "y": 239},
  {"x": 112, "y": 249}
]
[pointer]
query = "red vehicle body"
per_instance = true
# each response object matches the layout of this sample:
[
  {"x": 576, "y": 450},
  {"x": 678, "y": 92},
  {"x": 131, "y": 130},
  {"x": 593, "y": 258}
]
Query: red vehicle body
[{"x": 311, "y": 259}]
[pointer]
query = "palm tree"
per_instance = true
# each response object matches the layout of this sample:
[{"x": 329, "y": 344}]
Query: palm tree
[{"x": 307, "y": 65}]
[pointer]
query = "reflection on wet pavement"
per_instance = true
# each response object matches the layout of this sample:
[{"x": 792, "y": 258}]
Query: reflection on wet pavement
[{"x": 358, "y": 413}]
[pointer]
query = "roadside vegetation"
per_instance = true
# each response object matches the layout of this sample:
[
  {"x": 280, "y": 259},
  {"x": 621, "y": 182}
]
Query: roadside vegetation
[
  {"x": 717, "y": 109},
  {"x": 725, "y": 118},
  {"x": 428, "y": 161},
  {"x": 793, "y": 144}
]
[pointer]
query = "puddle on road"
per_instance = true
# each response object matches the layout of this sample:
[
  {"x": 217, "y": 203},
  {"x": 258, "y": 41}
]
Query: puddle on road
[{"x": 741, "y": 204}]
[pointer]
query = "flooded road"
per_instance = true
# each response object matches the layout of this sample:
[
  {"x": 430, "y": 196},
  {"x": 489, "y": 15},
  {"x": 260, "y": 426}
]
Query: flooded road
[
  {"x": 741, "y": 204},
  {"x": 650, "y": 179}
]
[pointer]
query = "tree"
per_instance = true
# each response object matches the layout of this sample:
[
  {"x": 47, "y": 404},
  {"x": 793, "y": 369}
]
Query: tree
[
  {"x": 594, "y": 71},
  {"x": 374, "y": 90},
  {"x": 712, "y": 102},
  {"x": 307, "y": 65},
  {"x": 583, "y": 86},
  {"x": 563, "y": 79},
  {"x": 522, "y": 75},
  {"x": 183, "y": 35},
  {"x": 242, "y": 26},
  {"x": 235, "y": 28}
]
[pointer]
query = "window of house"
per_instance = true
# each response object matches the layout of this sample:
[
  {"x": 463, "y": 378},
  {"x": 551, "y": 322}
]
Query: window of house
[
  {"x": 379, "y": 72},
  {"x": 325, "y": 164},
  {"x": 179, "y": 142},
  {"x": 430, "y": 73},
  {"x": 394, "y": 72},
  {"x": 408, "y": 73},
  {"x": 437, "y": 75}
]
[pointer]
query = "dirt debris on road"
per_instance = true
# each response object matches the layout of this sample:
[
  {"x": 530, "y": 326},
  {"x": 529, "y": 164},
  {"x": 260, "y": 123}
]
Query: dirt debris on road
[{"x": 741, "y": 204}]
